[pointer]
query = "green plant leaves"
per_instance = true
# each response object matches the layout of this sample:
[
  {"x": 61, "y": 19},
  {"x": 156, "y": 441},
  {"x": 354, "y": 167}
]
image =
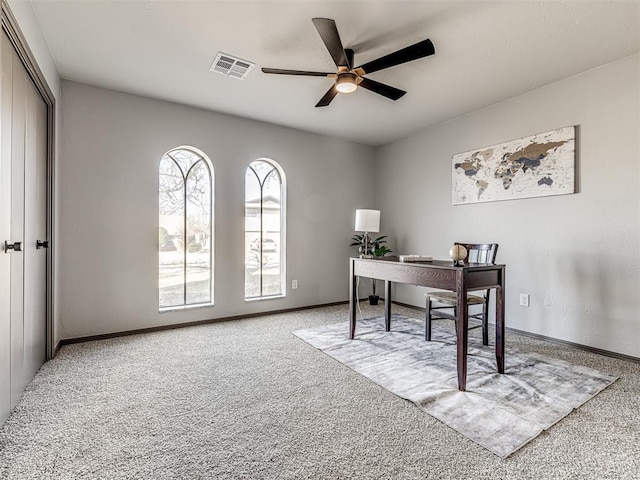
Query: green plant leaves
[{"x": 376, "y": 246}]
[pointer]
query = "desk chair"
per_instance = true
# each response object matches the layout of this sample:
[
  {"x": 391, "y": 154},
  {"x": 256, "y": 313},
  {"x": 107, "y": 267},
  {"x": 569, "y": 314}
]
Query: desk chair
[{"x": 476, "y": 253}]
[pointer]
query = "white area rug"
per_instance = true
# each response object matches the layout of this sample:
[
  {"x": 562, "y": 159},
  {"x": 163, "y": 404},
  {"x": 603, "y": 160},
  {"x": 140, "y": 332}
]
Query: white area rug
[{"x": 500, "y": 412}]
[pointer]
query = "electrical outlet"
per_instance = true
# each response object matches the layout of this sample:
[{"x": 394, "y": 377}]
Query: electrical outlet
[
  {"x": 294, "y": 284},
  {"x": 524, "y": 299}
]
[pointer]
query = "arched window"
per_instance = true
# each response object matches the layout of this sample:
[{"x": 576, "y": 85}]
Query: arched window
[
  {"x": 264, "y": 230},
  {"x": 185, "y": 236}
]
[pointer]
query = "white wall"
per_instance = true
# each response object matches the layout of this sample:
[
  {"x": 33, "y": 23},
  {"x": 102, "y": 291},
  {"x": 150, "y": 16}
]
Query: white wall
[
  {"x": 578, "y": 256},
  {"x": 111, "y": 146}
]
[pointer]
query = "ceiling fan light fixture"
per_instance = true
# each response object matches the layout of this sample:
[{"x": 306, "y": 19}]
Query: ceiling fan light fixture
[{"x": 346, "y": 82}]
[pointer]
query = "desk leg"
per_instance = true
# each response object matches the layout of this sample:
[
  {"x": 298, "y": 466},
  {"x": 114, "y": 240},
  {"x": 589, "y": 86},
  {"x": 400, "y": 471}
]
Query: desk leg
[
  {"x": 387, "y": 305},
  {"x": 462, "y": 324},
  {"x": 500, "y": 324},
  {"x": 353, "y": 286}
]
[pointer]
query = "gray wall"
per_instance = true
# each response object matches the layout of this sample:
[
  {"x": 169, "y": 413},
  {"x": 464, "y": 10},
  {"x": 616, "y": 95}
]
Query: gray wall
[
  {"x": 111, "y": 146},
  {"x": 576, "y": 255}
]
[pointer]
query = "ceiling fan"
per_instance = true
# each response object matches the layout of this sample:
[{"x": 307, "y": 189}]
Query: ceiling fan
[{"x": 348, "y": 78}]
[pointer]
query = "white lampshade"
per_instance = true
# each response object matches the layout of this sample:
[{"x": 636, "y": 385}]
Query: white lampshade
[{"x": 367, "y": 221}]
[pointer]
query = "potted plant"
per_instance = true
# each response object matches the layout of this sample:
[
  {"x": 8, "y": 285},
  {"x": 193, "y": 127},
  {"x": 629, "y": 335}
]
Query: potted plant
[
  {"x": 367, "y": 246},
  {"x": 374, "y": 248}
]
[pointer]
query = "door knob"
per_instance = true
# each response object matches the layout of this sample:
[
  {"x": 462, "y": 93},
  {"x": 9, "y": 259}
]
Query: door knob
[
  {"x": 16, "y": 246},
  {"x": 42, "y": 244}
]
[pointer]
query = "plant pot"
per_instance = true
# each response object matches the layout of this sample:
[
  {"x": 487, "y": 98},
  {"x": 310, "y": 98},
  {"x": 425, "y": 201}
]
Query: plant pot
[{"x": 373, "y": 299}]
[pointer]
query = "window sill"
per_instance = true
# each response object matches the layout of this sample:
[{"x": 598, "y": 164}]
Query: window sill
[
  {"x": 259, "y": 299},
  {"x": 184, "y": 307}
]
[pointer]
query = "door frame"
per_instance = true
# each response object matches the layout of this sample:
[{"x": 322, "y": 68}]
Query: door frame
[{"x": 12, "y": 29}]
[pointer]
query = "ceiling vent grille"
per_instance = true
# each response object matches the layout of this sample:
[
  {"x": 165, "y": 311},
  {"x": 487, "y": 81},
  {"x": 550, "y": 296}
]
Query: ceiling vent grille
[{"x": 231, "y": 66}]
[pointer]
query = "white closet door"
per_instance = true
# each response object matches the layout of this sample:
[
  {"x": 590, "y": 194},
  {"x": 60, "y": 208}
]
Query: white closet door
[
  {"x": 23, "y": 207},
  {"x": 18, "y": 134},
  {"x": 35, "y": 232},
  {"x": 5, "y": 228}
]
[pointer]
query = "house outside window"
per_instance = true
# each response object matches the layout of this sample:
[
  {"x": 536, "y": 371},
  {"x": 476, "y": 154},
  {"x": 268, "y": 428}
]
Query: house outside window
[
  {"x": 264, "y": 230},
  {"x": 185, "y": 233}
]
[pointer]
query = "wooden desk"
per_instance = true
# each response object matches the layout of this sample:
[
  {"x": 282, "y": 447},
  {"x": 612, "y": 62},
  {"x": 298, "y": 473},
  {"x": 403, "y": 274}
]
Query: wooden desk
[{"x": 437, "y": 274}]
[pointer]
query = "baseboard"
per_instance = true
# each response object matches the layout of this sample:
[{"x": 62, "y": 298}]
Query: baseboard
[
  {"x": 90, "y": 338},
  {"x": 600, "y": 351}
]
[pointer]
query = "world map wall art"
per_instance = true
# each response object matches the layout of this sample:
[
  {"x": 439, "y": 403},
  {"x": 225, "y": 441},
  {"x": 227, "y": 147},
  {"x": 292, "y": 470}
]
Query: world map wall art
[{"x": 535, "y": 166}]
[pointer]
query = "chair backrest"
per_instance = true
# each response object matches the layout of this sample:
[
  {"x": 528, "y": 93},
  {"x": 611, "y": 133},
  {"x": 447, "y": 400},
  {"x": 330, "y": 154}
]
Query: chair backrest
[{"x": 480, "y": 252}]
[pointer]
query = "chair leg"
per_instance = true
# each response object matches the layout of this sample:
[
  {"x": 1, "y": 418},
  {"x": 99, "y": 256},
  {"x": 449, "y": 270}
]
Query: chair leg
[
  {"x": 455, "y": 322},
  {"x": 485, "y": 323},
  {"x": 427, "y": 323}
]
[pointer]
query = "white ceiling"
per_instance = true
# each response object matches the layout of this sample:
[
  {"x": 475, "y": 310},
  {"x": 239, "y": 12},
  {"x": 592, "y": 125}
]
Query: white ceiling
[{"x": 486, "y": 52}]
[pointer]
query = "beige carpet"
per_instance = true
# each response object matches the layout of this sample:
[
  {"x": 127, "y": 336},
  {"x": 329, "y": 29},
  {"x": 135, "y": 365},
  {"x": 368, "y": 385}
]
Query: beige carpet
[{"x": 249, "y": 400}]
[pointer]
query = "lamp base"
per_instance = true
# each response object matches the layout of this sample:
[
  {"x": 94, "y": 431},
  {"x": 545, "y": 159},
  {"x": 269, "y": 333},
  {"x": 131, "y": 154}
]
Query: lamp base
[{"x": 366, "y": 256}]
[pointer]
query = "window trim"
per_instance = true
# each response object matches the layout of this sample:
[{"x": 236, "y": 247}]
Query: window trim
[
  {"x": 209, "y": 164},
  {"x": 283, "y": 230},
  {"x": 193, "y": 306}
]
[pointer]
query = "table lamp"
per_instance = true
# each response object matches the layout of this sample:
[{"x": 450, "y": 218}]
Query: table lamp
[{"x": 367, "y": 221}]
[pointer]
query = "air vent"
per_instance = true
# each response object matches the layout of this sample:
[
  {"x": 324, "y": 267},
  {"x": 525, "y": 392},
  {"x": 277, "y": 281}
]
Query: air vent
[{"x": 231, "y": 66}]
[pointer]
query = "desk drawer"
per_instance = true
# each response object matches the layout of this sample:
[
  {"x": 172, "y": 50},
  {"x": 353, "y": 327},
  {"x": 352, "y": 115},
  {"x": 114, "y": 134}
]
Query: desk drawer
[
  {"x": 483, "y": 279},
  {"x": 423, "y": 276}
]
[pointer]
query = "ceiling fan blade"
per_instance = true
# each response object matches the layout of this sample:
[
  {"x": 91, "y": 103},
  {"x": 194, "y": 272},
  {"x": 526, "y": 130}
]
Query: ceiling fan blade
[
  {"x": 382, "y": 89},
  {"x": 407, "y": 54},
  {"x": 281, "y": 71},
  {"x": 329, "y": 34},
  {"x": 330, "y": 95}
]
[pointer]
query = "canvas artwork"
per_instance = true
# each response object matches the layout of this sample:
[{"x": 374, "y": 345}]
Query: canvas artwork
[{"x": 534, "y": 166}]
